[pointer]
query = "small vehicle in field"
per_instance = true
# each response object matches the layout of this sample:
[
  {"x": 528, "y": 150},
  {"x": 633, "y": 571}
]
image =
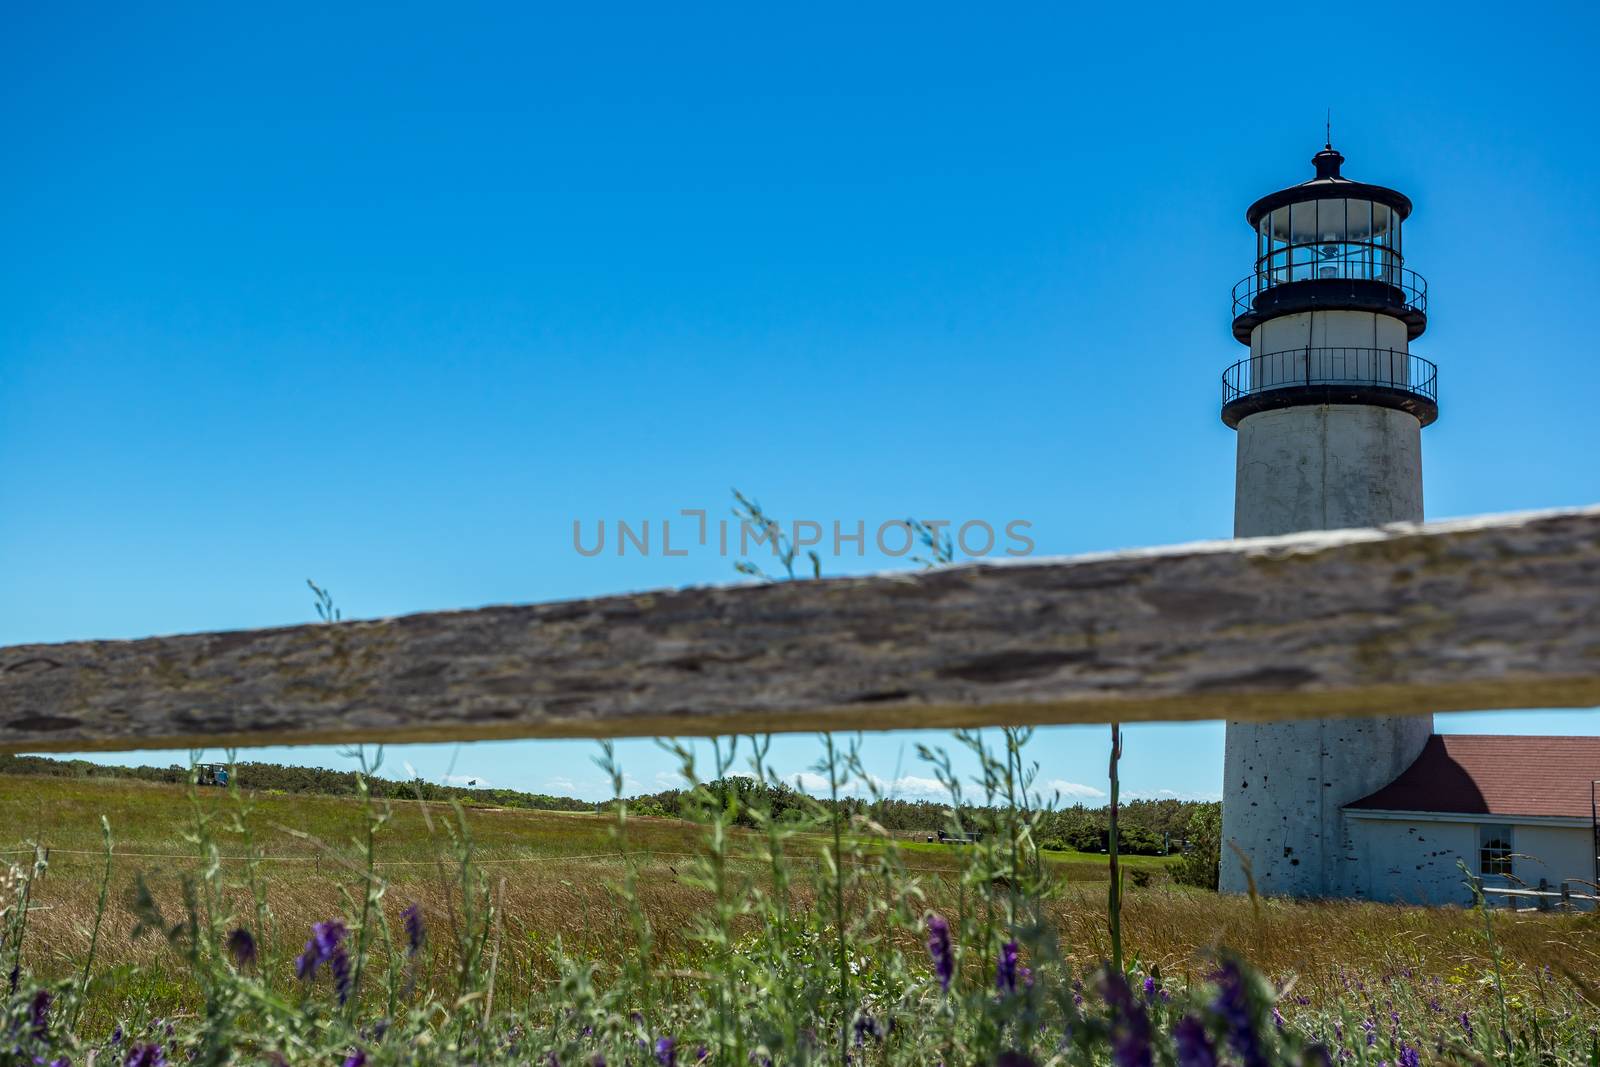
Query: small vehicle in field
[{"x": 212, "y": 774}]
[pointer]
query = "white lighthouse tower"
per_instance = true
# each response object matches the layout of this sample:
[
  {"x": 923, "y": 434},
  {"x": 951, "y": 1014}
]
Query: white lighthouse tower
[{"x": 1329, "y": 407}]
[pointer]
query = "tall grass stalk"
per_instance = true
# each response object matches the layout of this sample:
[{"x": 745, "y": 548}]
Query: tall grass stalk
[
  {"x": 1479, "y": 902},
  {"x": 1114, "y": 887},
  {"x": 94, "y": 931},
  {"x": 373, "y": 818}
]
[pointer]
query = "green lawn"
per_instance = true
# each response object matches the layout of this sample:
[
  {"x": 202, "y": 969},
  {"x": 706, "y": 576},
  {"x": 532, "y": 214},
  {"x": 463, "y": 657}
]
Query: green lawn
[
  {"x": 148, "y": 823},
  {"x": 1054, "y": 855}
]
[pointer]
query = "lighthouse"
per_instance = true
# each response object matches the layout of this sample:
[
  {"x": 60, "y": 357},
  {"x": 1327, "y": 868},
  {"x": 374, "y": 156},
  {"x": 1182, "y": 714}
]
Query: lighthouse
[{"x": 1329, "y": 407}]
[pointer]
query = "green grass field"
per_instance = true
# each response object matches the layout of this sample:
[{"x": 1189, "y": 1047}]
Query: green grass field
[
  {"x": 559, "y": 878},
  {"x": 148, "y": 822}
]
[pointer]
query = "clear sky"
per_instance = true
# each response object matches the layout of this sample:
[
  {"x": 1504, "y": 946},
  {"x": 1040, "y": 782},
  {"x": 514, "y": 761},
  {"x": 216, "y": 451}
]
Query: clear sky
[{"x": 389, "y": 297}]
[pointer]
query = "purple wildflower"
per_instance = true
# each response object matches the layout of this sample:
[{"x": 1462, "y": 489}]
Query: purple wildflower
[
  {"x": 415, "y": 933},
  {"x": 1149, "y": 987},
  {"x": 1233, "y": 1004},
  {"x": 944, "y": 962},
  {"x": 324, "y": 936},
  {"x": 242, "y": 947},
  {"x": 116, "y": 1034},
  {"x": 866, "y": 1026},
  {"x": 1005, "y": 968},
  {"x": 1409, "y": 1057},
  {"x": 666, "y": 1051},
  {"x": 1130, "y": 1025},
  {"x": 339, "y": 965},
  {"x": 1466, "y": 1025},
  {"x": 1193, "y": 1043},
  {"x": 326, "y": 946},
  {"x": 146, "y": 1056},
  {"x": 358, "y": 1058},
  {"x": 39, "y": 1012}
]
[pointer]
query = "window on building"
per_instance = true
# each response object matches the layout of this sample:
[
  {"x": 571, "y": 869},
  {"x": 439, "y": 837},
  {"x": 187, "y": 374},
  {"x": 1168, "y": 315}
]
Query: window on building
[{"x": 1494, "y": 850}]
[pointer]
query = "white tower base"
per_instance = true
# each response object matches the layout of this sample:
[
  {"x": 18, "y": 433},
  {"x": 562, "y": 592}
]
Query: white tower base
[{"x": 1315, "y": 468}]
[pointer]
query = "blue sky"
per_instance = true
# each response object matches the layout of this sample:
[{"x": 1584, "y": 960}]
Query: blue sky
[{"x": 389, "y": 297}]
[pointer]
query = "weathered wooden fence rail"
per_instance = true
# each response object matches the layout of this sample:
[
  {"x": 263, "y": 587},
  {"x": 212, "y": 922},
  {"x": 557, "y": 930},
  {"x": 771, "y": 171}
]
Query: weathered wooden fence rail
[{"x": 1500, "y": 612}]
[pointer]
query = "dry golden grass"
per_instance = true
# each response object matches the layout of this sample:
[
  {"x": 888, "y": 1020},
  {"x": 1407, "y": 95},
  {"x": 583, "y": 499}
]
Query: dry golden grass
[{"x": 555, "y": 876}]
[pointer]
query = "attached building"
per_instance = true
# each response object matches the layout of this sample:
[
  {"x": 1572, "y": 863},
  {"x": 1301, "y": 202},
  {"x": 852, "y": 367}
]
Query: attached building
[{"x": 1517, "y": 811}]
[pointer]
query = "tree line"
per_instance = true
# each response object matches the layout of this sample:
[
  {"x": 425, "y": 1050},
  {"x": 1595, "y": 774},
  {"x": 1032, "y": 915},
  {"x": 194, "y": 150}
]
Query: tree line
[{"x": 280, "y": 778}]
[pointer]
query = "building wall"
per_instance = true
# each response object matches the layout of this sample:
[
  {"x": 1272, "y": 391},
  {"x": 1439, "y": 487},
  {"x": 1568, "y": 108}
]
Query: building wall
[
  {"x": 1413, "y": 863},
  {"x": 1553, "y": 853},
  {"x": 1318, "y": 467},
  {"x": 1416, "y": 862}
]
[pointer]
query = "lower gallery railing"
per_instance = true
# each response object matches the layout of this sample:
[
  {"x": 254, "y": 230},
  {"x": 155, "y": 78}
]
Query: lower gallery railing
[{"x": 1384, "y": 368}]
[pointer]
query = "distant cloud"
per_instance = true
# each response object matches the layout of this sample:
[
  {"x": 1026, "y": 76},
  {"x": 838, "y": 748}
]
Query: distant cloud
[
  {"x": 1171, "y": 794},
  {"x": 910, "y": 784},
  {"x": 671, "y": 779},
  {"x": 810, "y": 781},
  {"x": 1073, "y": 790}
]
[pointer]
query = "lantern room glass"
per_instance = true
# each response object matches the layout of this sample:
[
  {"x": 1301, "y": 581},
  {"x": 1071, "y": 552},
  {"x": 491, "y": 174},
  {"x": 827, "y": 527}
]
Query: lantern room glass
[{"x": 1330, "y": 237}]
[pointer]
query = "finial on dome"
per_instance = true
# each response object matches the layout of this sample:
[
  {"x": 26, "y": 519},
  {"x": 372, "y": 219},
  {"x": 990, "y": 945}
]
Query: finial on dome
[{"x": 1327, "y": 162}]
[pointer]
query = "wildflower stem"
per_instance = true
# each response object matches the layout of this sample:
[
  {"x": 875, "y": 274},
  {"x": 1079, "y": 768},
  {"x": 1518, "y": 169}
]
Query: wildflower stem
[
  {"x": 1114, "y": 892},
  {"x": 838, "y": 894},
  {"x": 1476, "y": 883},
  {"x": 94, "y": 933}
]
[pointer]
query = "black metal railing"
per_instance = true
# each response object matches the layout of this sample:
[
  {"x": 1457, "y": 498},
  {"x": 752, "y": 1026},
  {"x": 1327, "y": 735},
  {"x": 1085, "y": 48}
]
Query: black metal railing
[
  {"x": 1372, "y": 368},
  {"x": 1410, "y": 289}
]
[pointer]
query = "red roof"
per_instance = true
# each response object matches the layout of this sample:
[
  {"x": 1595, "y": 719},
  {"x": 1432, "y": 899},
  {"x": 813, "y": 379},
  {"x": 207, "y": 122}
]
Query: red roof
[{"x": 1486, "y": 774}]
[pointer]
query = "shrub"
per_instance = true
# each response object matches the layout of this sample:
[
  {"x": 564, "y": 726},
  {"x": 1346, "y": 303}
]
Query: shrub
[{"x": 1202, "y": 854}]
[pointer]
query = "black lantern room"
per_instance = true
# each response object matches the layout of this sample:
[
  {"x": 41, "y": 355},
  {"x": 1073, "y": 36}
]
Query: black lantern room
[{"x": 1330, "y": 258}]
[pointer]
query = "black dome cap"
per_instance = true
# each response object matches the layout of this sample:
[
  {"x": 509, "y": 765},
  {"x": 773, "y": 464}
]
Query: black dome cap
[{"x": 1327, "y": 184}]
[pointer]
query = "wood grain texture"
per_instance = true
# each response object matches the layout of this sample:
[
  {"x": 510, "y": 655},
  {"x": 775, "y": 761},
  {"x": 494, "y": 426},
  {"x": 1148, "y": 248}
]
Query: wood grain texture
[{"x": 1502, "y": 612}]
